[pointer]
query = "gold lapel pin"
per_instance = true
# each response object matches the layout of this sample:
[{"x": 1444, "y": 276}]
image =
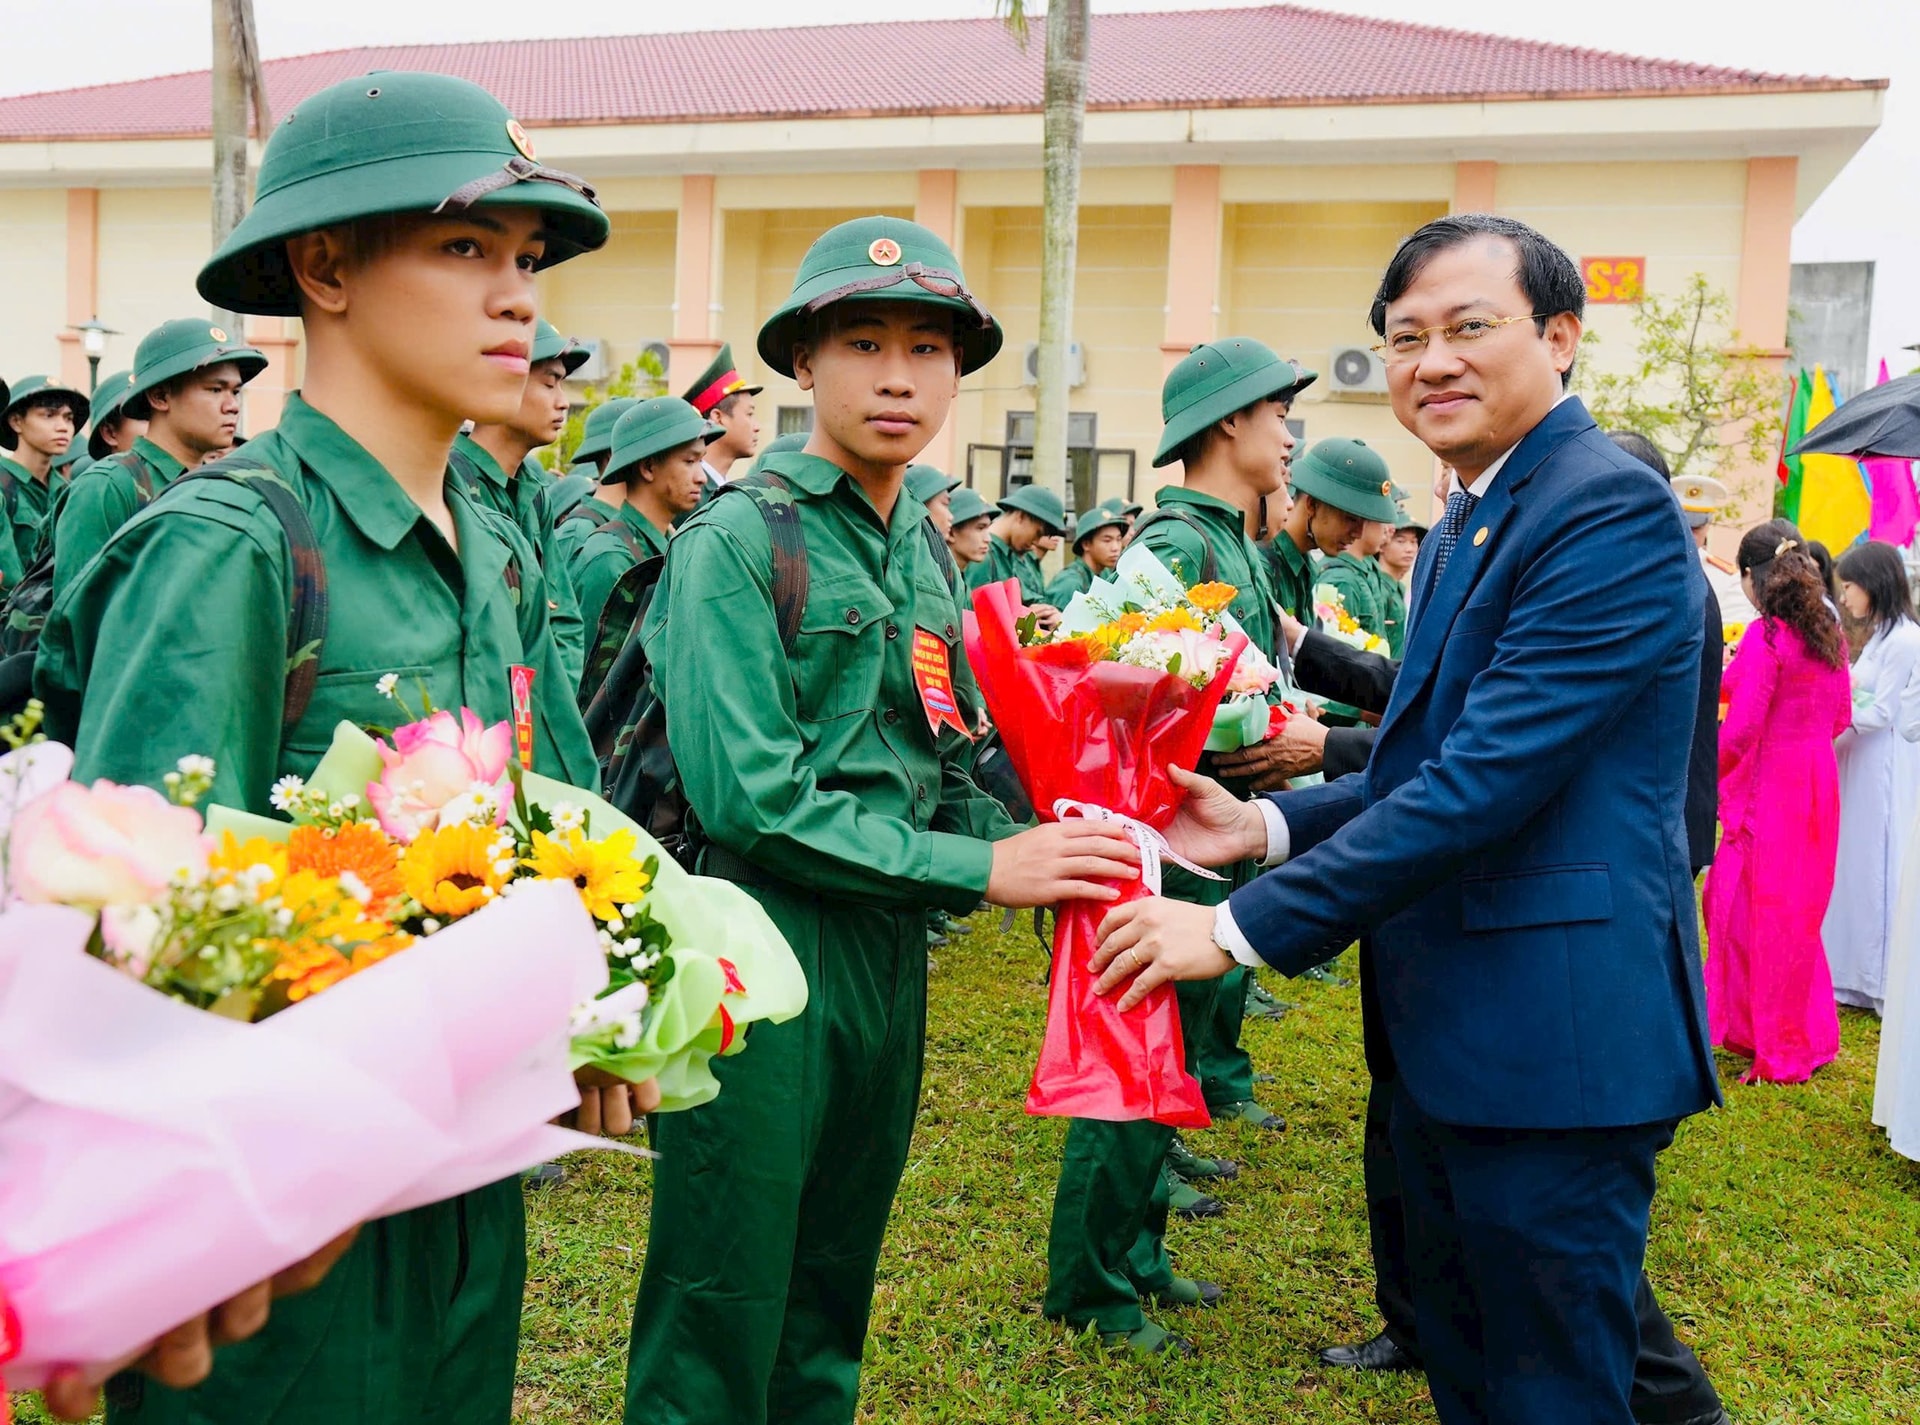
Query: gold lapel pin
[{"x": 1480, "y": 536}]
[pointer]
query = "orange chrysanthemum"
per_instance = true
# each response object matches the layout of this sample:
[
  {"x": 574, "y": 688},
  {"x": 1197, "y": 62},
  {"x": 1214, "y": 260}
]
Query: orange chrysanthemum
[
  {"x": 1173, "y": 621},
  {"x": 307, "y": 969},
  {"x": 1211, "y": 598},
  {"x": 360, "y": 849},
  {"x": 1129, "y": 624},
  {"x": 450, "y": 870}
]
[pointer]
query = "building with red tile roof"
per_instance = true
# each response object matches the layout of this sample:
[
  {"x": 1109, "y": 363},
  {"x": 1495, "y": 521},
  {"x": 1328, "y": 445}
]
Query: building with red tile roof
[{"x": 1244, "y": 170}]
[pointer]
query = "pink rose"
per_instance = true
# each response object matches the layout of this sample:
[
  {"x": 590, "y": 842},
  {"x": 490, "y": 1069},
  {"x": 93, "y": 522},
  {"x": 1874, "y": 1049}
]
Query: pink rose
[
  {"x": 103, "y": 845},
  {"x": 432, "y": 762}
]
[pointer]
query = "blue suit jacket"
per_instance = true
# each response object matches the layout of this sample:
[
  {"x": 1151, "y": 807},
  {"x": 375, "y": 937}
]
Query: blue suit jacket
[{"x": 1516, "y": 849}]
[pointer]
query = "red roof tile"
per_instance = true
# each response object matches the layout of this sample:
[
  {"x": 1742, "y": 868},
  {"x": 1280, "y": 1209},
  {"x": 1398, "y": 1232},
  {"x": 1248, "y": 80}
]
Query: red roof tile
[{"x": 1275, "y": 55}]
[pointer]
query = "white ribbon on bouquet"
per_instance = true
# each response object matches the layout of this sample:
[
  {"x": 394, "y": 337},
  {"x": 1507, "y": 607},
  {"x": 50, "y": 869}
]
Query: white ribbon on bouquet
[{"x": 1153, "y": 846}]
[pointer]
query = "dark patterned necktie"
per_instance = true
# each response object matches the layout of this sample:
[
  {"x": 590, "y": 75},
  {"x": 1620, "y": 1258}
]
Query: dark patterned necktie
[{"x": 1452, "y": 524}]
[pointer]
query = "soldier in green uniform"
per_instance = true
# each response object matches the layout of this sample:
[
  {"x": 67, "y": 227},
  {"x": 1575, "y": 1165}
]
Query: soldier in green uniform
[
  {"x": 113, "y": 430},
  {"x": 656, "y": 466},
  {"x": 37, "y": 425},
  {"x": 496, "y": 461},
  {"x": 1338, "y": 485},
  {"x": 722, "y": 395},
  {"x": 934, "y": 489},
  {"x": 1397, "y": 559},
  {"x": 573, "y": 504},
  {"x": 1098, "y": 537},
  {"x": 968, "y": 540},
  {"x": 185, "y": 391},
  {"x": 1367, "y": 591},
  {"x": 401, "y": 217},
  {"x": 828, "y": 784},
  {"x": 1027, "y": 515},
  {"x": 1225, "y": 406}
]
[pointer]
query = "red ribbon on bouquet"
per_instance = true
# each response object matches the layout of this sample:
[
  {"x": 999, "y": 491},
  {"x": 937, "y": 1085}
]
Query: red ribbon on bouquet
[{"x": 1081, "y": 730}]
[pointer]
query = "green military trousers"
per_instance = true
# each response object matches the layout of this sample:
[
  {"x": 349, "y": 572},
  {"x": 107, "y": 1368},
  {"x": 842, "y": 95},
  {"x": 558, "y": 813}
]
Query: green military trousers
[
  {"x": 418, "y": 1324},
  {"x": 1225, "y": 1070},
  {"x": 769, "y": 1204},
  {"x": 1106, "y": 1247}
]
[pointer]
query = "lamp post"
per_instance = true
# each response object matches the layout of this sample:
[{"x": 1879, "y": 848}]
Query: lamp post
[{"x": 93, "y": 341}]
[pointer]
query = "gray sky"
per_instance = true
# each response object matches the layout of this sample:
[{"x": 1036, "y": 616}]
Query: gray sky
[{"x": 1871, "y": 212}]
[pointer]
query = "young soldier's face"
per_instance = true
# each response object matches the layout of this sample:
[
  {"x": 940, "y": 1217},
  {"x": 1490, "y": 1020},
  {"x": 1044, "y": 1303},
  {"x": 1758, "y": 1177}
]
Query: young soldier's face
[
  {"x": 545, "y": 405},
  {"x": 942, "y": 512},
  {"x": 970, "y": 541},
  {"x": 1103, "y": 547},
  {"x": 1373, "y": 537},
  {"x": 47, "y": 429},
  {"x": 1332, "y": 530},
  {"x": 678, "y": 476},
  {"x": 202, "y": 411},
  {"x": 439, "y": 310},
  {"x": 1400, "y": 552},
  {"x": 1263, "y": 450},
  {"x": 883, "y": 377},
  {"x": 122, "y": 432},
  {"x": 742, "y": 431}
]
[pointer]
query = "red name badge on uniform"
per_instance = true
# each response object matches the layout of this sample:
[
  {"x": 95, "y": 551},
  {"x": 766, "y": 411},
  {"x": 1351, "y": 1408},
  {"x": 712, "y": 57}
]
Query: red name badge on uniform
[
  {"x": 520, "y": 679},
  {"x": 935, "y": 680}
]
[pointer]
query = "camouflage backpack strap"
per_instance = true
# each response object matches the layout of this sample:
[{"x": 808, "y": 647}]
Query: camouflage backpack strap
[
  {"x": 942, "y": 556},
  {"x": 579, "y": 512},
  {"x": 620, "y": 528},
  {"x": 791, "y": 578},
  {"x": 307, "y": 608},
  {"x": 9, "y": 492},
  {"x": 469, "y": 473},
  {"x": 1209, "y": 561}
]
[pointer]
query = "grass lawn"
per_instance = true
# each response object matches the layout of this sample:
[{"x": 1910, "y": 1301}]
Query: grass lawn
[{"x": 1785, "y": 1244}]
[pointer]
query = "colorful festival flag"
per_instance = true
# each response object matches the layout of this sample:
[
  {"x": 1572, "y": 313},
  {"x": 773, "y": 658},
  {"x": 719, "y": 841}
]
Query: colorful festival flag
[
  {"x": 1835, "y": 504},
  {"x": 1799, "y": 393},
  {"x": 1896, "y": 507}
]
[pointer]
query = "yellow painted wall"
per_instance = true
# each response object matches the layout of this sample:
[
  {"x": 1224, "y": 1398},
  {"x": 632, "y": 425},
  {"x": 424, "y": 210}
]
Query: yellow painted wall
[
  {"x": 153, "y": 242},
  {"x": 33, "y": 242},
  {"x": 1119, "y": 317},
  {"x": 622, "y": 294},
  {"x": 1300, "y": 276}
]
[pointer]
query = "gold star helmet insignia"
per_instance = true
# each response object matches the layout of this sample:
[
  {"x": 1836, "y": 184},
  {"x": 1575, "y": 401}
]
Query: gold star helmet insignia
[
  {"x": 883, "y": 252},
  {"x": 1386, "y": 488},
  {"x": 520, "y": 139},
  {"x": 216, "y": 334}
]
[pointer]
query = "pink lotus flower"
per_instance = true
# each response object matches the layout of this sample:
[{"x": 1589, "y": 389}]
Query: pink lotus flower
[
  {"x": 91, "y": 847},
  {"x": 432, "y": 762}
]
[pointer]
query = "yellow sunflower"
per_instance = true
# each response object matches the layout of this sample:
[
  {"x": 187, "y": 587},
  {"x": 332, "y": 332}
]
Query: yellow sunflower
[
  {"x": 450, "y": 870},
  {"x": 1173, "y": 621},
  {"x": 606, "y": 872}
]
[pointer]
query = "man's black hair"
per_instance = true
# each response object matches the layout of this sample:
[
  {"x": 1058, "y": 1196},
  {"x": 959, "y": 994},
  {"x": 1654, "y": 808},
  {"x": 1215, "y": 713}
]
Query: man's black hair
[
  {"x": 724, "y": 406},
  {"x": 1642, "y": 450},
  {"x": 49, "y": 401},
  {"x": 1545, "y": 273}
]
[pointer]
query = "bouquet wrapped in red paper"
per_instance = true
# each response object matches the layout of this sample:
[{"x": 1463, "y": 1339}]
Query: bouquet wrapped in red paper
[{"x": 1091, "y": 719}]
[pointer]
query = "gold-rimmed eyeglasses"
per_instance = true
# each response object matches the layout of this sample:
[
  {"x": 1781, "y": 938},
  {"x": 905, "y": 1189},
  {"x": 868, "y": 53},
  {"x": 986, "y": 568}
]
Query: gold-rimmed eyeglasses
[{"x": 1411, "y": 346}]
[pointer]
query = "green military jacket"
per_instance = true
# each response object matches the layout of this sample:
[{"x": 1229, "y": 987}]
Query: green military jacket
[
  {"x": 174, "y": 639},
  {"x": 98, "y": 501},
  {"x": 579, "y": 522},
  {"x": 1076, "y": 578},
  {"x": 1002, "y": 562},
  {"x": 519, "y": 499},
  {"x": 1373, "y": 596},
  {"x": 1293, "y": 575},
  {"x": 820, "y": 767},
  {"x": 27, "y": 503},
  {"x": 598, "y": 563}
]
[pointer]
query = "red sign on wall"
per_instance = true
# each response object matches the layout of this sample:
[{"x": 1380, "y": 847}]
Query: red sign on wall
[{"x": 1614, "y": 279}]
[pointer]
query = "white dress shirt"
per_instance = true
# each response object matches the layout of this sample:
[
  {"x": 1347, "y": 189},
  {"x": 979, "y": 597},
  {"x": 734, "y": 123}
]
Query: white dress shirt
[{"x": 1226, "y": 934}]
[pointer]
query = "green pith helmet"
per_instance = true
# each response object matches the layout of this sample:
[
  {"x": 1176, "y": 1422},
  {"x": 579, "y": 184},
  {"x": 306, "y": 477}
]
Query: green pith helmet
[
  {"x": 108, "y": 397},
  {"x": 649, "y": 428},
  {"x": 880, "y": 259},
  {"x": 1405, "y": 520},
  {"x": 390, "y": 142},
  {"x": 968, "y": 504},
  {"x": 926, "y": 484},
  {"x": 719, "y": 381},
  {"x": 181, "y": 346},
  {"x": 779, "y": 445},
  {"x": 24, "y": 392},
  {"x": 1043, "y": 504},
  {"x": 1119, "y": 505},
  {"x": 549, "y": 343},
  {"x": 1349, "y": 475},
  {"x": 1216, "y": 379},
  {"x": 1093, "y": 521},
  {"x": 596, "y": 436}
]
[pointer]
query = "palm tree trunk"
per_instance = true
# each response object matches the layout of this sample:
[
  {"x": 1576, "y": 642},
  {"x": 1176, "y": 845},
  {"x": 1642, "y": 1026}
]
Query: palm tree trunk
[
  {"x": 237, "y": 88},
  {"x": 1068, "y": 22}
]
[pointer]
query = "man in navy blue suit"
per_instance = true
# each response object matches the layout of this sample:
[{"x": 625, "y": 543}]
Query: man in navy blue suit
[{"x": 1514, "y": 854}]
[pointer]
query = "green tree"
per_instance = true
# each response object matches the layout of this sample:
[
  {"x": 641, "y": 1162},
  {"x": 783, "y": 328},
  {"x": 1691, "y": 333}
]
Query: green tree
[
  {"x": 1708, "y": 401},
  {"x": 643, "y": 376},
  {"x": 1064, "y": 108}
]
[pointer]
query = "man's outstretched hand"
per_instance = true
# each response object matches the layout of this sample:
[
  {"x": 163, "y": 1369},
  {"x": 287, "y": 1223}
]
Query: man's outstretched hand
[
  {"x": 1214, "y": 827},
  {"x": 1153, "y": 941}
]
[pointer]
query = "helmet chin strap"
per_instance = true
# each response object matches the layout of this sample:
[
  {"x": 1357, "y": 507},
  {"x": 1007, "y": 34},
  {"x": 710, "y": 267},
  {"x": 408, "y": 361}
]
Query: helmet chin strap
[{"x": 514, "y": 170}]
